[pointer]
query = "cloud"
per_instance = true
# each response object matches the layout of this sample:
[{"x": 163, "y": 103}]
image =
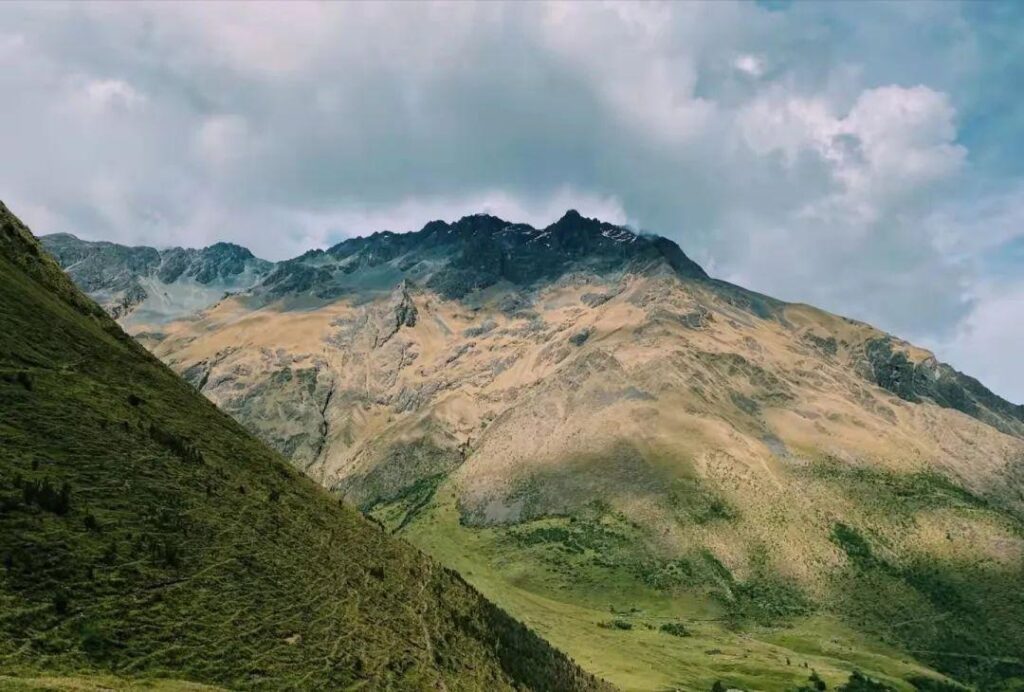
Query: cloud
[
  {"x": 842, "y": 156},
  {"x": 893, "y": 143},
  {"x": 221, "y": 139},
  {"x": 104, "y": 94},
  {"x": 855, "y": 238},
  {"x": 750, "y": 65},
  {"x": 989, "y": 338}
]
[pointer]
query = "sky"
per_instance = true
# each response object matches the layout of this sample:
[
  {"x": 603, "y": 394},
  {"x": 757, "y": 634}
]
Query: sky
[{"x": 864, "y": 158}]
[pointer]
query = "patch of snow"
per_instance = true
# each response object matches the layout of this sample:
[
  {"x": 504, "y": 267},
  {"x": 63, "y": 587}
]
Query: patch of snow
[{"x": 619, "y": 235}]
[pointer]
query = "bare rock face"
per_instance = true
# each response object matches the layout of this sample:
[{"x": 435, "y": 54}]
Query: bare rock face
[
  {"x": 892, "y": 368},
  {"x": 400, "y": 311}
]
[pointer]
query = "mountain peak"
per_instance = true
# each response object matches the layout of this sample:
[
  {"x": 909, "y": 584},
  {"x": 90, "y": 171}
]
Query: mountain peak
[
  {"x": 481, "y": 222},
  {"x": 486, "y": 249},
  {"x": 229, "y": 249}
]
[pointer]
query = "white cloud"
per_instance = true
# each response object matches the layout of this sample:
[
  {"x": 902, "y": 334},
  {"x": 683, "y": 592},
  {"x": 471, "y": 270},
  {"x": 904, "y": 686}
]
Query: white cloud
[
  {"x": 103, "y": 94},
  {"x": 906, "y": 138},
  {"x": 11, "y": 45},
  {"x": 790, "y": 125},
  {"x": 274, "y": 40},
  {"x": 110, "y": 199},
  {"x": 750, "y": 65},
  {"x": 893, "y": 143},
  {"x": 858, "y": 239},
  {"x": 989, "y": 339},
  {"x": 629, "y": 58}
]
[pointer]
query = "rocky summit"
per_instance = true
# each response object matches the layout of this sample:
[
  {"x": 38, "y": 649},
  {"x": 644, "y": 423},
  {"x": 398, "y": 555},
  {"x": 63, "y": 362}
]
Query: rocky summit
[
  {"x": 645, "y": 463},
  {"x": 472, "y": 254}
]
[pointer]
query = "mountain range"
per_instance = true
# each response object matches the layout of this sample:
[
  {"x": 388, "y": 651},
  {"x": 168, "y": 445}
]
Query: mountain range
[{"x": 673, "y": 479}]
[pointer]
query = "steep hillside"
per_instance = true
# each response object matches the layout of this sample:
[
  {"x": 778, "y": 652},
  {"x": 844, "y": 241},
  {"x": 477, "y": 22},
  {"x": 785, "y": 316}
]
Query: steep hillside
[
  {"x": 672, "y": 478},
  {"x": 145, "y": 535}
]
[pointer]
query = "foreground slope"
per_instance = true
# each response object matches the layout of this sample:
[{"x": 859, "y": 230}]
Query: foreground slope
[
  {"x": 145, "y": 534},
  {"x": 620, "y": 450}
]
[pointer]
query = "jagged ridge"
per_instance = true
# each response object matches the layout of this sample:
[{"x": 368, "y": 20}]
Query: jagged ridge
[{"x": 476, "y": 252}]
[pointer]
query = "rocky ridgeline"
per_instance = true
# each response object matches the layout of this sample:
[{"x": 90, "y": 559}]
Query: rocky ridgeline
[
  {"x": 885, "y": 364},
  {"x": 475, "y": 252},
  {"x": 453, "y": 259},
  {"x": 117, "y": 275}
]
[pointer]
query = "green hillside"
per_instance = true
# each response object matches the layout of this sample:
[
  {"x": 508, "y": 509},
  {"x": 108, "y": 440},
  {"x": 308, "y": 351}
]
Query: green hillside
[{"x": 145, "y": 535}]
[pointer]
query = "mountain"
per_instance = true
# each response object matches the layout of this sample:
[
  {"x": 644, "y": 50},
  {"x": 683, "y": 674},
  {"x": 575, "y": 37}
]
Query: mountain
[
  {"x": 477, "y": 252},
  {"x": 143, "y": 283},
  {"x": 674, "y": 479},
  {"x": 146, "y": 537}
]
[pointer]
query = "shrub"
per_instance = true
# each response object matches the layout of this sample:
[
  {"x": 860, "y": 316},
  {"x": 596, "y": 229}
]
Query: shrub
[
  {"x": 44, "y": 495},
  {"x": 676, "y": 629},
  {"x": 853, "y": 544},
  {"x": 859, "y": 682},
  {"x": 168, "y": 553},
  {"x": 92, "y": 639},
  {"x": 9, "y": 503},
  {"x": 61, "y": 603},
  {"x": 180, "y": 447},
  {"x": 925, "y": 684}
]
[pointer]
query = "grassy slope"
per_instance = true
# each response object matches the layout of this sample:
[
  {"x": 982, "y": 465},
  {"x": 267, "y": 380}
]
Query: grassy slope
[
  {"x": 103, "y": 683},
  {"x": 146, "y": 535},
  {"x": 569, "y": 609},
  {"x": 897, "y": 613}
]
